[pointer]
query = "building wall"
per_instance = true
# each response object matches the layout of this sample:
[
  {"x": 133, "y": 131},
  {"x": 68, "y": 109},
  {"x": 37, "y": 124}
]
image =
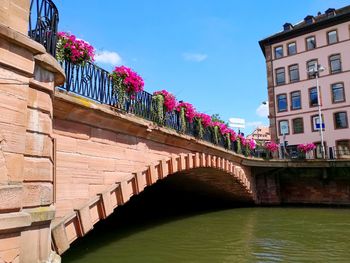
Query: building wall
[{"x": 322, "y": 53}]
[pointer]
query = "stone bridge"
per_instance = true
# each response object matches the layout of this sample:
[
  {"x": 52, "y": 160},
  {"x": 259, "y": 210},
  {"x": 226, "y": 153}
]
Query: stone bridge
[{"x": 66, "y": 162}]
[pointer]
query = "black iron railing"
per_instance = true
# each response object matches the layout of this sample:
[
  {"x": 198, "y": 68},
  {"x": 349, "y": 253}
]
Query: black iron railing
[
  {"x": 93, "y": 82},
  {"x": 43, "y": 24}
]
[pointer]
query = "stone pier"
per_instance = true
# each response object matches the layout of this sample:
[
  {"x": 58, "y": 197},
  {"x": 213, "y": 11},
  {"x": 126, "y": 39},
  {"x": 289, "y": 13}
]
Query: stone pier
[{"x": 28, "y": 75}]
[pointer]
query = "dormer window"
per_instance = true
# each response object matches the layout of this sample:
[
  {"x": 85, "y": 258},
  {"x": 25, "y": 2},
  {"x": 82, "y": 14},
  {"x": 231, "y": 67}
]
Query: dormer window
[
  {"x": 287, "y": 27},
  {"x": 309, "y": 20},
  {"x": 330, "y": 12}
]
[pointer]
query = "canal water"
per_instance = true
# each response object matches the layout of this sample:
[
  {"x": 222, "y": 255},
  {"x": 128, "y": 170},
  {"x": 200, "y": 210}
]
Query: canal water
[{"x": 185, "y": 227}]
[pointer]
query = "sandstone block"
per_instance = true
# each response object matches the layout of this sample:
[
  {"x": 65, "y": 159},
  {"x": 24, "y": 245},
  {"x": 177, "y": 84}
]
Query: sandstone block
[
  {"x": 39, "y": 100},
  {"x": 12, "y": 221},
  {"x": 71, "y": 129},
  {"x": 65, "y": 144},
  {"x": 15, "y": 166},
  {"x": 11, "y": 197},
  {"x": 37, "y": 194},
  {"x": 13, "y": 138},
  {"x": 38, "y": 145},
  {"x": 13, "y": 109},
  {"x": 60, "y": 238},
  {"x": 38, "y": 169},
  {"x": 16, "y": 56},
  {"x": 38, "y": 121}
]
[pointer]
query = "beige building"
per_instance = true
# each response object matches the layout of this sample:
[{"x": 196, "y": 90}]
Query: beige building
[
  {"x": 316, "y": 42},
  {"x": 261, "y": 135}
]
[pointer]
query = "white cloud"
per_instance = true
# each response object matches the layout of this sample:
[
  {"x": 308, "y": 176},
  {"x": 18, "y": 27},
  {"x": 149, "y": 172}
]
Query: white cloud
[
  {"x": 108, "y": 57},
  {"x": 195, "y": 57},
  {"x": 253, "y": 124},
  {"x": 263, "y": 110}
]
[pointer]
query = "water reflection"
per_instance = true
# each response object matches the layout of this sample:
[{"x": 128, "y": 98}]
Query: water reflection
[{"x": 170, "y": 226}]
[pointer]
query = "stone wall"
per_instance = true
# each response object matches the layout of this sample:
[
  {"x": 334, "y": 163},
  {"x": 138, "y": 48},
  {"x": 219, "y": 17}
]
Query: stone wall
[
  {"x": 316, "y": 186},
  {"x": 92, "y": 157},
  {"x": 28, "y": 76},
  {"x": 312, "y": 186}
]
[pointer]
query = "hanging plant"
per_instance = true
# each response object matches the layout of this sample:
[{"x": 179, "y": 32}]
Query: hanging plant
[
  {"x": 126, "y": 83},
  {"x": 163, "y": 102},
  {"x": 228, "y": 140},
  {"x": 202, "y": 121},
  {"x": 240, "y": 143},
  {"x": 74, "y": 50},
  {"x": 271, "y": 148},
  {"x": 187, "y": 112},
  {"x": 158, "y": 108},
  {"x": 305, "y": 149}
]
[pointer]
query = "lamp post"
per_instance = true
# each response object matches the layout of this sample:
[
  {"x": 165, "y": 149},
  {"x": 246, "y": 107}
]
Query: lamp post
[{"x": 316, "y": 72}]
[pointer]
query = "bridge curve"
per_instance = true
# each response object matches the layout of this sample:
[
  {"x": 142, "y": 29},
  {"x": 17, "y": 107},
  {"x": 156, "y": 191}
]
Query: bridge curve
[{"x": 205, "y": 167}]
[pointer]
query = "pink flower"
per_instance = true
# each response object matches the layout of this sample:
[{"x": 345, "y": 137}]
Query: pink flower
[
  {"x": 189, "y": 110},
  {"x": 271, "y": 146},
  {"x": 251, "y": 144},
  {"x": 169, "y": 99},
  {"x": 205, "y": 119},
  {"x": 72, "y": 49},
  {"x": 131, "y": 80},
  {"x": 307, "y": 147},
  {"x": 242, "y": 139}
]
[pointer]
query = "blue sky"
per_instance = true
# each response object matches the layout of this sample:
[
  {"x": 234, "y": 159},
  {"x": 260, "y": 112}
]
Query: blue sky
[{"x": 205, "y": 52}]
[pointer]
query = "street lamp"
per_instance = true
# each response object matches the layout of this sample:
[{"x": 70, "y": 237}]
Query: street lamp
[{"x": 316, "y": 72}]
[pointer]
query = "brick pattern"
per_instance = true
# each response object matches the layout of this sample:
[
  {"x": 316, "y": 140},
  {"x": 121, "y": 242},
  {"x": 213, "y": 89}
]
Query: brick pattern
[
  {"x": 99, "y": 202},
  {"x": 89, "y": 159}
]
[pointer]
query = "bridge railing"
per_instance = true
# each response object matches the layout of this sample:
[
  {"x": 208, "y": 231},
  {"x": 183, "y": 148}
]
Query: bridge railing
[
  {"x": 92, "y": 82},
  {"x": 43, "y": 24}
]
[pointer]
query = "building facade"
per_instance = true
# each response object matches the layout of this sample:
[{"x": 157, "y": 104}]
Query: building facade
[
  {"x": 291, "y": 55},
  {"x": 261, "y": 135}
]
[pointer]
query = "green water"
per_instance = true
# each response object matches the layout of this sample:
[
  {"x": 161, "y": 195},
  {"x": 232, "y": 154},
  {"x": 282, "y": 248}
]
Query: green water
[{"x": 230, "y": 235}]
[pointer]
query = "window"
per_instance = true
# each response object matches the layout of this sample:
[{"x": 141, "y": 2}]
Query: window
[
  {"x": 282, "y": 102},
  {"x": 313, "y": 97},
  {"x": 316, "y": 123},
  {"x": 292, "y": 48},
  {"x": 340, "y": 120},
  {"x": 296, "y": 100},
  {"x": 310, "y": 43},
  {"x": 284, "y": 127},
  {"x": 343, "y": 149},
  {"x": 311, "y": 65},
  {"x": 280, "y": 76},
  {"x": 338, "y": 92},
  {"x": 298, "y": 125},
  {"x": 335, "y": 63},
  {"x": 332, "y": 37},
  {"x": 278, "y": 52},
  {"x": 294, "y": 73}
]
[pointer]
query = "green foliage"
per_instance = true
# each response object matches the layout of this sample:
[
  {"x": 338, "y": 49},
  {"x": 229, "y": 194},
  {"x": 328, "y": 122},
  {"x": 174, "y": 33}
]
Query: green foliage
[
  {"x": 119, "y": 90},
  {"x": 216, "y": 134},
  {"x": 183, "y": 120},
  {"x": 228, "y": 140},
  {"x": 199, "y": 127},
  {"x": 239, "y": 146},
  {"x": 158, "y": 108}
]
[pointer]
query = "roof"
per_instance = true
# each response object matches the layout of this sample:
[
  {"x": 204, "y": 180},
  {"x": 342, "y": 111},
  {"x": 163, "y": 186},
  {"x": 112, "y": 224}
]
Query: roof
[{"x": 320, "y": 21}]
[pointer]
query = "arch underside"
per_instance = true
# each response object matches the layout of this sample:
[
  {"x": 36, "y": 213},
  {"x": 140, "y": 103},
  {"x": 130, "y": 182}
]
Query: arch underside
[{"x": 198, "y": 172}]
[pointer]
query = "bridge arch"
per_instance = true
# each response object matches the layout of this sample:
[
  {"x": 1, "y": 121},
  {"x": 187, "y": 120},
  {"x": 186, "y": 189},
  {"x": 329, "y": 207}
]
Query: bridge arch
[{"x": 210, "y": 168}]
